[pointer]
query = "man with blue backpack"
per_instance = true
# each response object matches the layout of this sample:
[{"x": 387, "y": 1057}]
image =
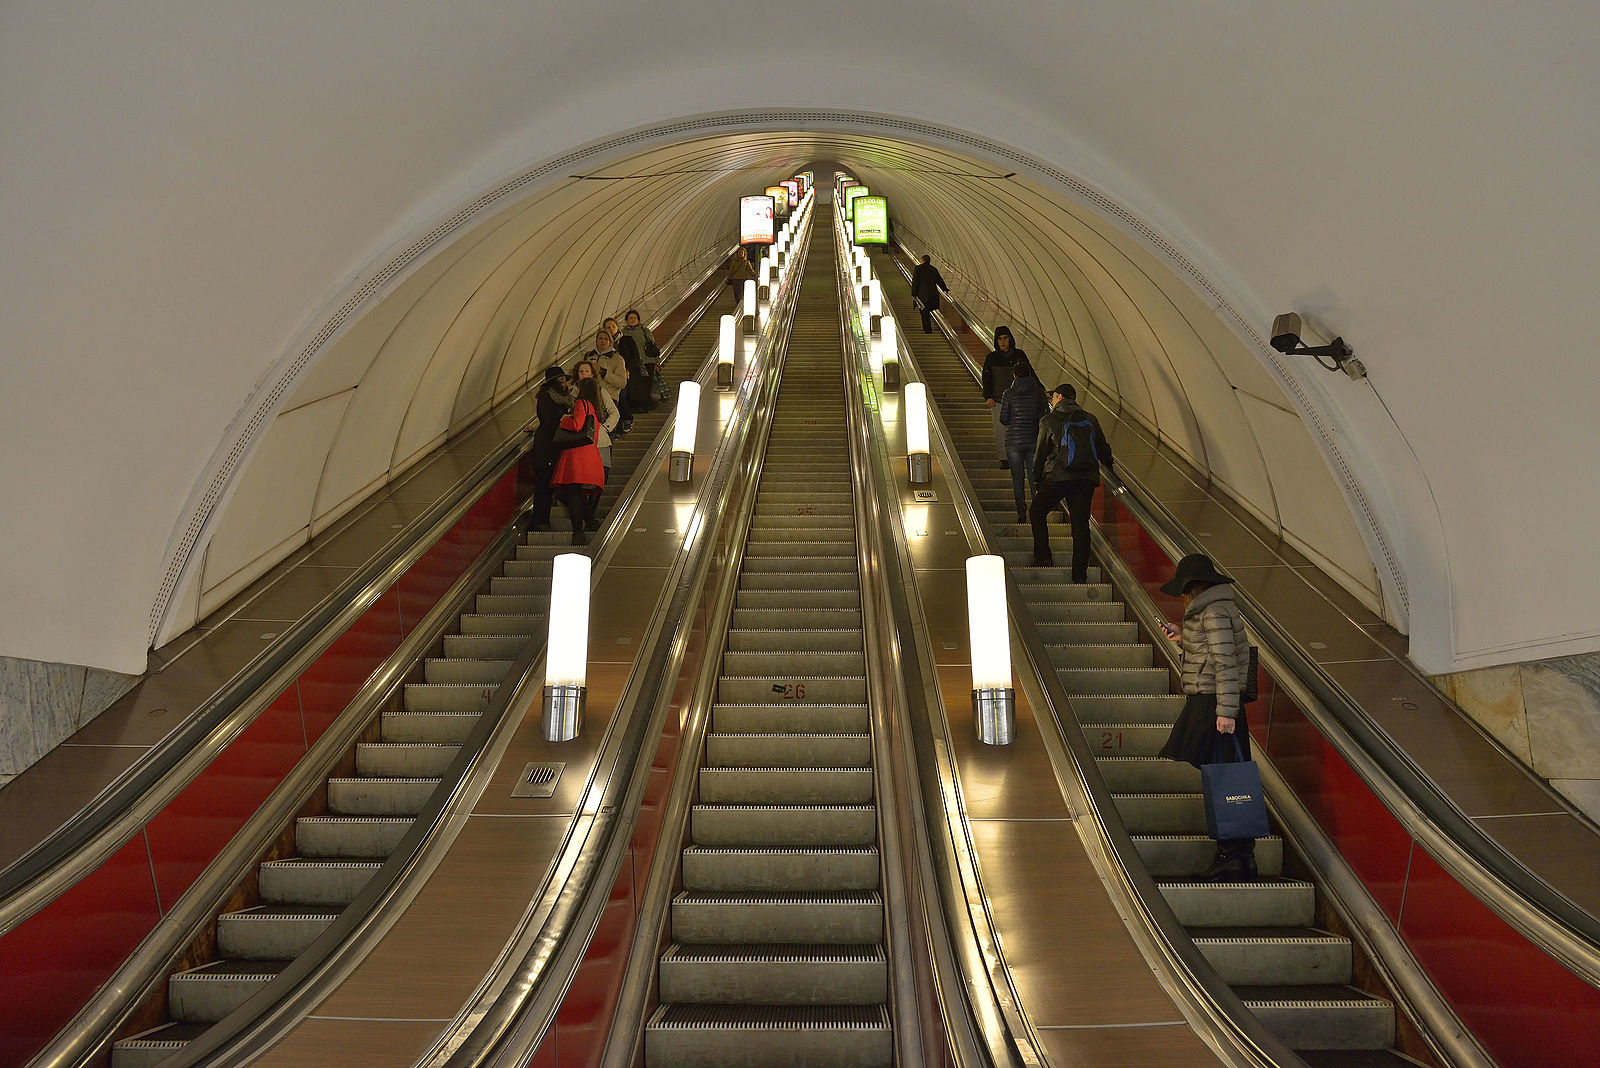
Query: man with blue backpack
[{"x": 1066, "y": 467}]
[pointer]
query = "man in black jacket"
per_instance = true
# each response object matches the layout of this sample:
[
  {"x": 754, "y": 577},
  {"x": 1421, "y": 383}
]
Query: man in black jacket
[
  {"x": 926, "y": 285},
  {"x": 553, "y": 401},
  {"x": 1066, "y": 467}
]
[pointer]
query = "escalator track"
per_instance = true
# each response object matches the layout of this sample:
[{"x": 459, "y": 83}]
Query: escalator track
[
  {"x": 776, "y": 951},
  {"x": 369, "y": 804},
  {"x": 1263, "y": 937}
]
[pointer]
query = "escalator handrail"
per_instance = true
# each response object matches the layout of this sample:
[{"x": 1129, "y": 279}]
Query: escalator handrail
[
  {"x": 1538, "y": 911},
  {"x": 89, "y": 838},
  {"x": 1235, "y": 1032},
  {"x": 978, "y": 1001}
]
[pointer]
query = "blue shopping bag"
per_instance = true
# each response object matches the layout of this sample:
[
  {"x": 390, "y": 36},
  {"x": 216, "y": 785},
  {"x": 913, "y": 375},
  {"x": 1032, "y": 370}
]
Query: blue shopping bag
[{"x": 1236, "y": 807}]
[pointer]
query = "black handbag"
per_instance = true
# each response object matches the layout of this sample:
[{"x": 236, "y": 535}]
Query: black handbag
[{"x": 567, "y": 439}]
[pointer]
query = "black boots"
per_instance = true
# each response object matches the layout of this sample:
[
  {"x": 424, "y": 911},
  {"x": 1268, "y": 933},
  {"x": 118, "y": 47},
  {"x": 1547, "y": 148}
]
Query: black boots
[{"x": 1235, "y": 862}]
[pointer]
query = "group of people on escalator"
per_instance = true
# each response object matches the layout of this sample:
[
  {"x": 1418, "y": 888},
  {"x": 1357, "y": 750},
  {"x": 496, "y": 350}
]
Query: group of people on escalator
[
  {"x": 578, "y": 411},
  {"x": 1051, "y": 444}
]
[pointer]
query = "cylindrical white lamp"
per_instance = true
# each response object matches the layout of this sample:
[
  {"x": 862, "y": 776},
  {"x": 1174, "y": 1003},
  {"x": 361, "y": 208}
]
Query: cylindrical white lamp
[
  {"x": 749, "y": 310},
  {"x": 566, "y": 660},
  {"x": 874, "y": 298},
  {"x": 685, "y": 423},
  {"x": 919, "y": 460},
  {"x": 888, "y": 344},
  {"x": 727, "y": 351},
  {"x": 994, "y": 702}
]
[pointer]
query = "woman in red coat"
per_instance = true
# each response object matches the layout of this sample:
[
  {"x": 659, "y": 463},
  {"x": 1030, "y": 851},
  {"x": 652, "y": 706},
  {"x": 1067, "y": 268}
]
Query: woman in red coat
[{"x": 580, "y": 476}]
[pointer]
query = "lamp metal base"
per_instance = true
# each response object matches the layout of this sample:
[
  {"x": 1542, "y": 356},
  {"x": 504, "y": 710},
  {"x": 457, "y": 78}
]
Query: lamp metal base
[
  {"x": 994, "y": 715},
  {"x": 562, "y": 717},
  {"x": 681, "y": 467},
  {"x": 920, "y": 464}
]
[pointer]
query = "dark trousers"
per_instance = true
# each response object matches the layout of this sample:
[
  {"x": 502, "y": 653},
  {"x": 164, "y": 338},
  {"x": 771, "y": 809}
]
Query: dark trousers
[
  {"x": 1021, "y": 461},
  {"x": 581, "y": 507},
  {"x": 927, "y": 319},
  {"x": 539, "y": 518},
  {"x": 1079, "y": 495}
]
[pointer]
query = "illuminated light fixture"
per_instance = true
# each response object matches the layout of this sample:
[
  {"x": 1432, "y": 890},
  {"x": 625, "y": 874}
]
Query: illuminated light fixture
[
  {"x": 849, "y": 232},
  {"x": 873, "y": 298},
  {"x": 727, "y": 351},
  {"x": 919, "y": 461},
  {"x": 566, "y": 661},
  {"x": 994, "y": 702},
  {"x": 888, "y": 344},
  {"x": 685, "y": 423},
  {"x": 749, "y": 307}
]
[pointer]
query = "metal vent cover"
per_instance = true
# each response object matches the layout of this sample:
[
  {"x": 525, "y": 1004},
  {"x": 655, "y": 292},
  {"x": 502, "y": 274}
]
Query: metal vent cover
[
  {"x": 258, "y": 412},
  {"x": 538, "y": 779}
]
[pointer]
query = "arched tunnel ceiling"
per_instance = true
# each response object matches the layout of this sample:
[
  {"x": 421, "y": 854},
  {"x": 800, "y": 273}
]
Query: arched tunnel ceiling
[{"x": 188, "y": 209}]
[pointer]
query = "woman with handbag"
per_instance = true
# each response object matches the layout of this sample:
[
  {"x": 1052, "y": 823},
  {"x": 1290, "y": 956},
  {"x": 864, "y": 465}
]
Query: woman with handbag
[
  {"x": 1212, "y": 728},
  {"x": 580, "y": 477}
]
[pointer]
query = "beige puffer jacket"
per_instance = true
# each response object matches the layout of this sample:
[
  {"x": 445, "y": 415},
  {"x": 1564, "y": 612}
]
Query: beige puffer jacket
[
  {"x": 616, "y": 372},
  {"x": 1215, "y": 648}
]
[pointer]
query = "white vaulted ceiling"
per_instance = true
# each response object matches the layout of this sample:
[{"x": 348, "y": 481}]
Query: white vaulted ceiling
[{"x": 260, "y": 258}]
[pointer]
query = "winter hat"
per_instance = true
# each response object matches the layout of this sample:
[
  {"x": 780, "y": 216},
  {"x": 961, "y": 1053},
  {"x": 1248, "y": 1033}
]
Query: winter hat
[
  {"x": 1196, "y": 567},
  {"x": 554, "y": 372}
]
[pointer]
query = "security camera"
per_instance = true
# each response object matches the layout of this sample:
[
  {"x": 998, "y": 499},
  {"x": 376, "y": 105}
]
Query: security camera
[
  {"x": 1286, "y": 339},
  {"x": 1286, "y": 333}
]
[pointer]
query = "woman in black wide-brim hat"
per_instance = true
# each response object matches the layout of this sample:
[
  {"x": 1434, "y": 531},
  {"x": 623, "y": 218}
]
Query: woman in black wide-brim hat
[{"x": 1215, "y": 657}]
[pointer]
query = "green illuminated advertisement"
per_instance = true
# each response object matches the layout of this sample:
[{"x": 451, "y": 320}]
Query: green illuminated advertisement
[
  {"x": 851, "y": 195},
  {"x": 872, "y": 220}
]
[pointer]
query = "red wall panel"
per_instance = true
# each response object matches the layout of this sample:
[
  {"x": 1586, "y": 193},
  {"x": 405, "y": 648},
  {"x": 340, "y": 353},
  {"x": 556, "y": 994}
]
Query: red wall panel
[
  {"x": 1526, "y": 1009},
  {"x": 327, "y": 686},
  {"x": 55, "y": 961},
  {"x": 200, "y": 821},
  {"x": 584, "y": 1019}
]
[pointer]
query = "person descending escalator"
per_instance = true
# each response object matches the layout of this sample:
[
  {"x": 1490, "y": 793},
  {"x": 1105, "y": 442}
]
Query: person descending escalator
[
  {"x": 996, "y": 379},
  {"x": 643, "y": 389},
  {"x": 553, "y": 401},
  {"x": 580, "y": 475},
  {"x": 613, "y": 375},
  {"x": 1215, "y": 657}
]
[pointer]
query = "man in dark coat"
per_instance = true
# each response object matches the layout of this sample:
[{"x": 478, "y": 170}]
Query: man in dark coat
[
  {"x": 553, "y": 401},
  {"x": 926, "y": 285},
  {"x": 1066, "y": 467},
  {"x": 996, "y": 380}
]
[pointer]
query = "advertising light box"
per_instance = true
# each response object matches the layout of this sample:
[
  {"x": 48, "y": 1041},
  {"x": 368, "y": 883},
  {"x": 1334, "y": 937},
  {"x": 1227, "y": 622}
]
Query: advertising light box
[
  {"x": 780, "y": 199},
  {"x": 872, "y": 220},
  {"x": 755, "y": 221},
  {"x": 844, "y": 187},
  {"x": 793, "y": 188},
  {"x": 851, "y": 195}
]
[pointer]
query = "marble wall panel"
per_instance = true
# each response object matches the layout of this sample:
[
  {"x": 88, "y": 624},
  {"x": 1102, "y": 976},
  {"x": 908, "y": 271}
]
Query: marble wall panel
[
  {"x": 42, "y": 704},
  {"x": 101, "y": 689},
  {"x": 39, "y": 707},
  {"x": 1493, "y": 698},
  {"x": 1562, "y": 698},
  {"x": 1584, "y": 794}
]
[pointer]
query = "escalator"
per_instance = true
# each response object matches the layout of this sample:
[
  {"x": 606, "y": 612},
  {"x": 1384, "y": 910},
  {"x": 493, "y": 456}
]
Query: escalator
[
  {"x": 1263, "y": 937},
  {"x": 369, "y": 804},
  {"x": 776, "y": 951}
]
